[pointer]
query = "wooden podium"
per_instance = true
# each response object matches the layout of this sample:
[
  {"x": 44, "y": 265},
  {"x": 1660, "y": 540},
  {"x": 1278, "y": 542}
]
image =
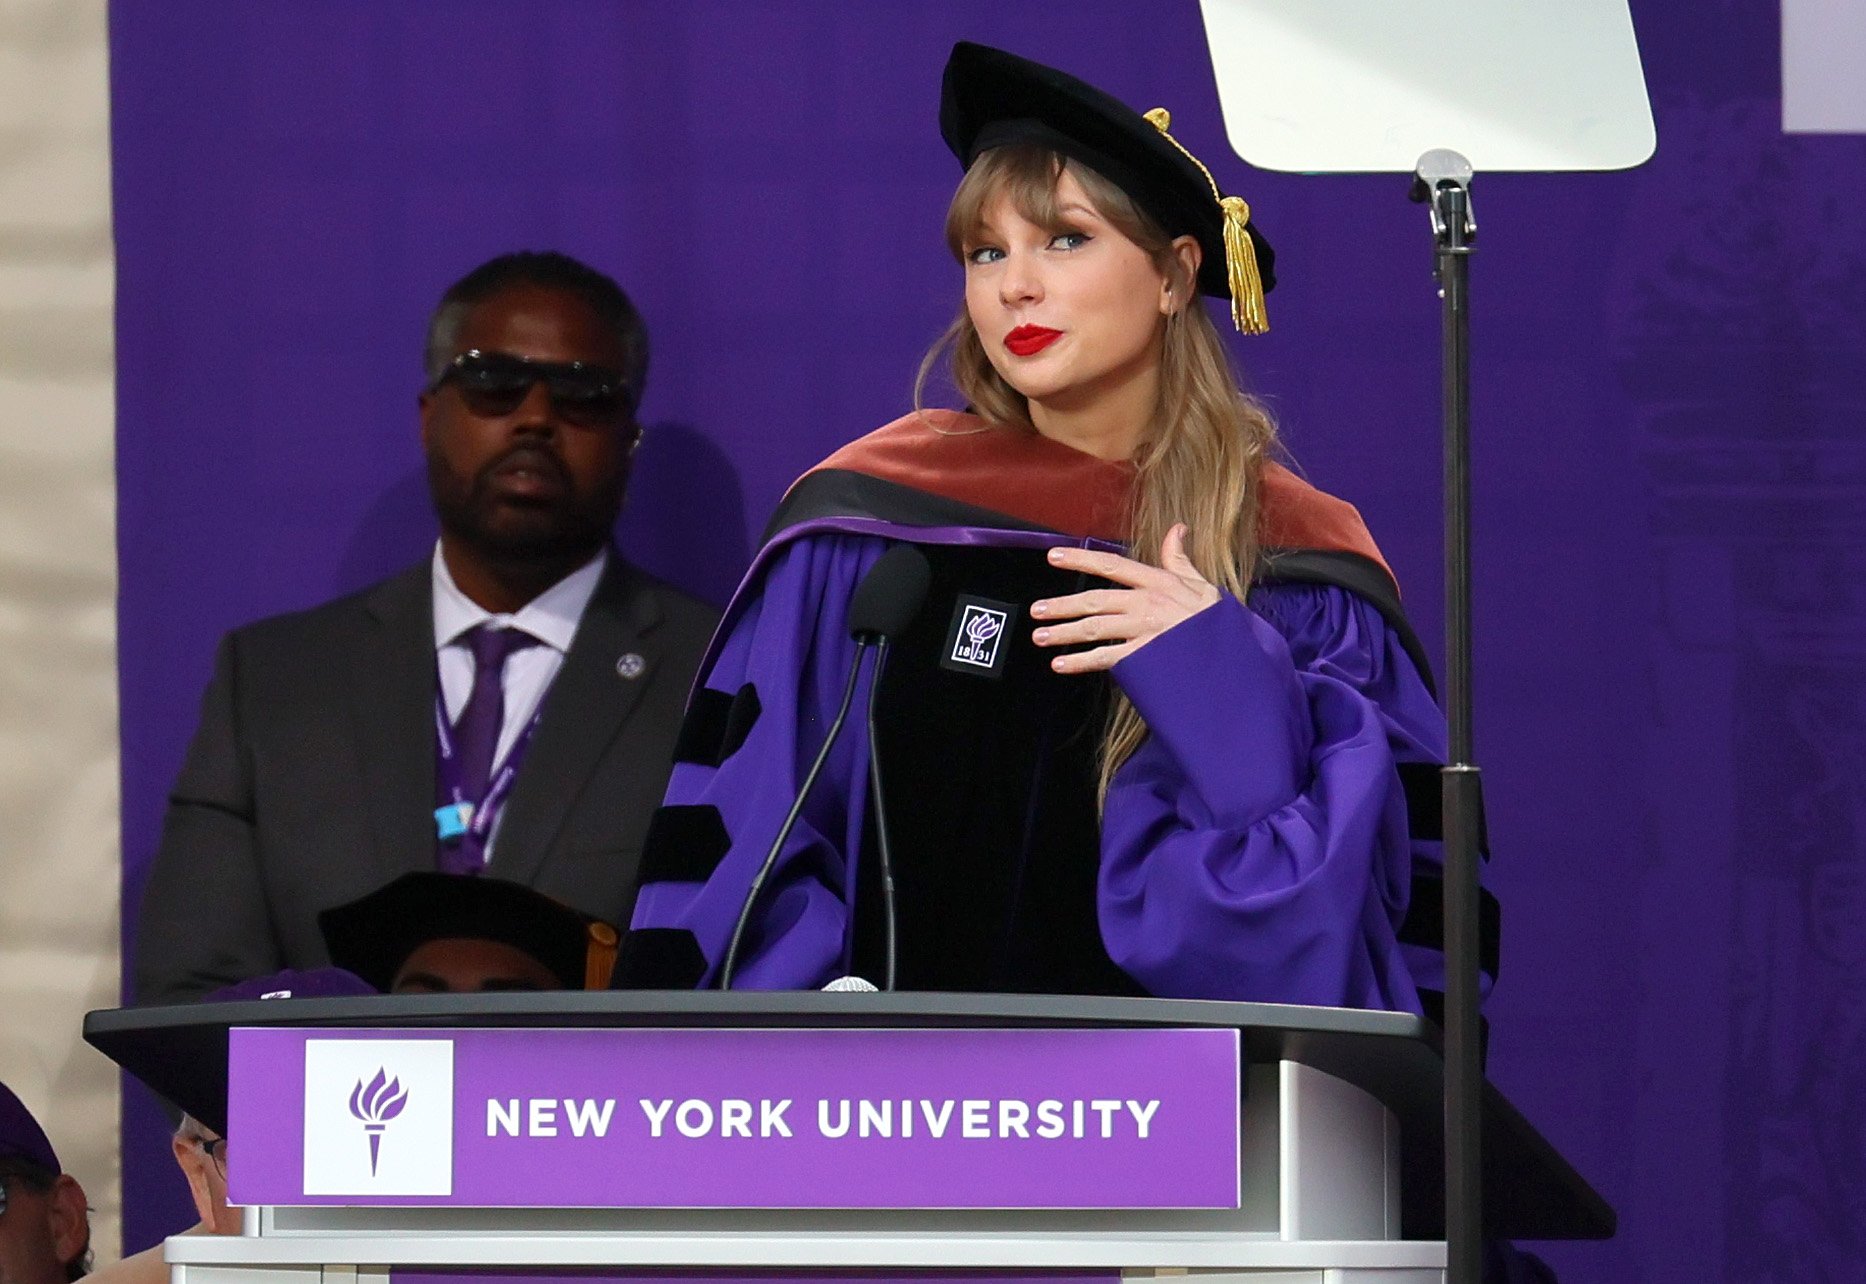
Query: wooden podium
[{"x": 1336, "y": 1141}]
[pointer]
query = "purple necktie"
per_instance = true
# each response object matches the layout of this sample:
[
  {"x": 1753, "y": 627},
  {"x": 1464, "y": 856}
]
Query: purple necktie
[{"x": 476, "y": 731}]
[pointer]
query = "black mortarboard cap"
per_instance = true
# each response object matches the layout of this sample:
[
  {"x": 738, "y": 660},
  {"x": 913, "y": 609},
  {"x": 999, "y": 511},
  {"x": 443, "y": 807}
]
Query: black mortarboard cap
[
  {"x": 991, "y": 98},
  {"x": 375, "y": 934}
]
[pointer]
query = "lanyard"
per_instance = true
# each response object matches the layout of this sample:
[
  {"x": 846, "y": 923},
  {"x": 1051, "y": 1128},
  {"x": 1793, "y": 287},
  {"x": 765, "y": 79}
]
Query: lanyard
[{"x": 458, "y": 815}]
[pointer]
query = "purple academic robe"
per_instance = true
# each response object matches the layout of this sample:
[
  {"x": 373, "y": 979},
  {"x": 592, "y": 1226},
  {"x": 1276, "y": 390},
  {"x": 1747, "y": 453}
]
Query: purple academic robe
[{"x": 1257, "y": 846}]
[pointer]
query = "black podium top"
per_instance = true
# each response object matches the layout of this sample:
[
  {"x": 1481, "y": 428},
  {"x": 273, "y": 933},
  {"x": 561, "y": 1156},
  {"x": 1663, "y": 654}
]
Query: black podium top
[{"x": 1530, "y": 1191}]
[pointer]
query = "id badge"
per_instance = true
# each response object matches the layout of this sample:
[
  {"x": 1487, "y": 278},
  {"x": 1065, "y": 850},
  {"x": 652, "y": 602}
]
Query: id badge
[{"x": 453, "y": 820}]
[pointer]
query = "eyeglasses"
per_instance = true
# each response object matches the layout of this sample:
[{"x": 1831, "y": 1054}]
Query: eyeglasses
[
  {"x": 497, "y": 383},
  {"x": 216, "y": 1151}
]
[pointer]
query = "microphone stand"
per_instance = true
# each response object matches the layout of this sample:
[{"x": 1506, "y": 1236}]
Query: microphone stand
[
  {"x": 884, "y": 859},
  {"x": 1443, "y": 180},
  {"x": 884, "y": 602},
  {"x": 730, "y": 965}
]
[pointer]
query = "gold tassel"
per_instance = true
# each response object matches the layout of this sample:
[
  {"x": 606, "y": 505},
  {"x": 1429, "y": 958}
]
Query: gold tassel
[
  {"x": 599, "y": 956},
  {"x": 1248, "y": 311},
  {"x": 1247, "y": 306}
]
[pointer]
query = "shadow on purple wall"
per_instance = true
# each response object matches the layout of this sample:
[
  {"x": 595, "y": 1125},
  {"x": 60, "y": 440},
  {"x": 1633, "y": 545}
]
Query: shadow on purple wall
[
  {"x": 685, "y": 519},
  {"x": 396, "y": 530}
]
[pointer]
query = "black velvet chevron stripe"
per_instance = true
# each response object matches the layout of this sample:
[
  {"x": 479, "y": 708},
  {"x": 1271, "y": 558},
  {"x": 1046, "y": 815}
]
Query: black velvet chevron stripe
[
  {"x": 1425, "y": 804},
  {"x": 684, "y": 845},
  {"x": 659, "y": 958},
  {"x": 716, "y": 725},
  {"x": 1425, "y": 921},
  {"x": 703, "y": 729},
  {"x": 740, "y": 720}
]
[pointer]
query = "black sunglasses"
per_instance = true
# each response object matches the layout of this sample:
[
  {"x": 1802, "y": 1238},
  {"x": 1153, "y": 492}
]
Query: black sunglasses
[{"x": 497, "y": 383}]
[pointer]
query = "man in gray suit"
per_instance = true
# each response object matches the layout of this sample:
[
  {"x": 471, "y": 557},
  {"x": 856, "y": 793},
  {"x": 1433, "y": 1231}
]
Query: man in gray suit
[{"x": 509, "y": 705}]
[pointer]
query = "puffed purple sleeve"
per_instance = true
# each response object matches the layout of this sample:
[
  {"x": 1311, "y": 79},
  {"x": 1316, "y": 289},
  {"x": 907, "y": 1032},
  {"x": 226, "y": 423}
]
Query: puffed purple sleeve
[
  {"x": 1256, "y": 846},
  {"x": 756, "y": 721}
]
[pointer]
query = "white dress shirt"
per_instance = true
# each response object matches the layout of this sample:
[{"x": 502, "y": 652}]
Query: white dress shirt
[{"x": 551, "y": 617}]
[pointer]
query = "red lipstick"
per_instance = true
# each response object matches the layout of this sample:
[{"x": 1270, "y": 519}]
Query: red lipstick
[{"x": 1029, "y": 340}]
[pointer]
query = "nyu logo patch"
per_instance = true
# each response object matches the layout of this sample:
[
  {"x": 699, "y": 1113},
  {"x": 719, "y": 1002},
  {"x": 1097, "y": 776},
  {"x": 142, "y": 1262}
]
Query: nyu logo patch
[
  {"x": 379, "y": 1117},
  {"x": 976, "y": 641}
]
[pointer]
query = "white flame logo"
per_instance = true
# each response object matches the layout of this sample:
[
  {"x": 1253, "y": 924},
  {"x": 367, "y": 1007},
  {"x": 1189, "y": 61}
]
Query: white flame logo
[{"x": 982, "y": 628}]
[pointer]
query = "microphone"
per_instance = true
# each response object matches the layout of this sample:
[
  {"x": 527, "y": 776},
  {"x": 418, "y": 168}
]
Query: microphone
[
  {"x": 886, "y": 599},
  {"x": 884, "y": 615}
]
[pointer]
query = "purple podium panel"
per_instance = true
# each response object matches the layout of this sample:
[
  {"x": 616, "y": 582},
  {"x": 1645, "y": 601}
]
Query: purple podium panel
[{"x": 633, "y": 1118}]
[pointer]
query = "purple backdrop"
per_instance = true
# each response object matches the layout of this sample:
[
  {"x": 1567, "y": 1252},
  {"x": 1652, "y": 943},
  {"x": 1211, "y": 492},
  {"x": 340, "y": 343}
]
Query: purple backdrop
[{"x": 1668, "y": 392}]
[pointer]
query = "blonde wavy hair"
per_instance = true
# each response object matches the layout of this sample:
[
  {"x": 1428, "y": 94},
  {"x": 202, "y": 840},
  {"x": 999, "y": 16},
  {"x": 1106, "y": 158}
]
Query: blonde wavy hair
[{"x": 1201, "y": 459}]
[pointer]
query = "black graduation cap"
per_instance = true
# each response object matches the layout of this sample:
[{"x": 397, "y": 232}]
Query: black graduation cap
[
  {"x": 375, "y": 934},
  {"x": 991, "y": 98}
]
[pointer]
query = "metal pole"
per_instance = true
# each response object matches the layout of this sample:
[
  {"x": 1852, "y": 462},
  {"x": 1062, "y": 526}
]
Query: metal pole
[{"x": 1443, "y": 178}]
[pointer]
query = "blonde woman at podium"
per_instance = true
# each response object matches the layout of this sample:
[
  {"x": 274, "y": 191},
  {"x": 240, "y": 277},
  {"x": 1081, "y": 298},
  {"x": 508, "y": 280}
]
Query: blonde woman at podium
[{"x": 1150, "y": 714}]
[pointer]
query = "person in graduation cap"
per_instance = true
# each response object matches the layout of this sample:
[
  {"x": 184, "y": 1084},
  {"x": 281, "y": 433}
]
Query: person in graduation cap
[
  {"x": 430, "y": 932},
  {"x": 1151, "y": 729},
  {"x": 45, "y": 1223},
  {"x": 199, "y": 1150}
]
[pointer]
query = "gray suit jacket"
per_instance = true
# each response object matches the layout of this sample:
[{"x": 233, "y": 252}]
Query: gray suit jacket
[{"x": 310, "y": 781}]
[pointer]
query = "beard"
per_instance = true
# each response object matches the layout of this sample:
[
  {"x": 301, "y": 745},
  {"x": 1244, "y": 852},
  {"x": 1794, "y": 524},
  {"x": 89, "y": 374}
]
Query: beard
[{"x": 543, "y": 530}]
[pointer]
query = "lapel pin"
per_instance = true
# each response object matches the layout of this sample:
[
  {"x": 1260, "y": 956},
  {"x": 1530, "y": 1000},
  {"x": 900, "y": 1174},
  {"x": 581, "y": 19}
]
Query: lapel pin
[{"x": 631, "y": 666}]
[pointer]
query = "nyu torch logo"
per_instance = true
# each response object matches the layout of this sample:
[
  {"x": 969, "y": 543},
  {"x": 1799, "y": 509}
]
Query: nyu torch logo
[
  {"x": 374, "y": 1104},
  {"x": 350, "y": 1088},
  {"x": 976, "y": 640}
]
